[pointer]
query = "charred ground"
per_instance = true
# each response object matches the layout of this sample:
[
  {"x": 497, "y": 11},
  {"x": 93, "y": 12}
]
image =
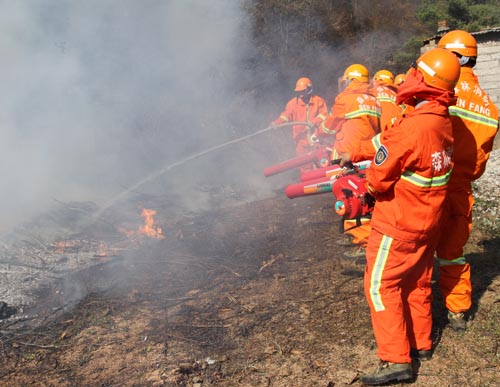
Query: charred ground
[{"x": 252, "y": 295}]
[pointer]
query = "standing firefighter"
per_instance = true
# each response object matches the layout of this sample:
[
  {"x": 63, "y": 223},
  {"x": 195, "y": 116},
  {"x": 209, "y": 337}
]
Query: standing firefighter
[
  {"x": 385, "y": 92},
  {"x": 475, "y": 124},
  {"x": 355, "y": 119},
  {"x": 355, "y": 113},
  {"x": 409, "y": 176},
  {"x": 304, "y": 107}
]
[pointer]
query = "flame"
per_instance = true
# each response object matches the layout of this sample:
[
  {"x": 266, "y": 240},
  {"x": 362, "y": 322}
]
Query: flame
[{"x": 148, "y": 228}]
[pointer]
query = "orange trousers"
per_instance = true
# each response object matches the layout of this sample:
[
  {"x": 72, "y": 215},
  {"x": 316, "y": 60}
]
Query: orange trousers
[
  {"x": 360, "y": 233},
  {"x": 454, "y": 271},
  {"x": 397, "y": 285},
  {"x": 302, "y": 147}
]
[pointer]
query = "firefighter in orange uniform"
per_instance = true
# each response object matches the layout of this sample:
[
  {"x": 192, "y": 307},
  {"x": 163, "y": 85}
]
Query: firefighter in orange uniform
[
  {"x": 355, "y": 118},
  {"x": 304, "y": 107},
  {"x": 475, "y": 124},
  {"x": 369, "y": 148},
  {"x": 400, "y": 78},
  {"x": 408, "y": 177},
  {"x": 355, "y": 113},
  {"x": 385, "y": 92}
]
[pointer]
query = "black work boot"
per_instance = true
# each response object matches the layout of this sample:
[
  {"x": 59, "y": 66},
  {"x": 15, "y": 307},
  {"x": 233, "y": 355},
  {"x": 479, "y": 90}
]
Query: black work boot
[
  {"x": 421, "y": 354},
  {"x": 389, "y": 372}
]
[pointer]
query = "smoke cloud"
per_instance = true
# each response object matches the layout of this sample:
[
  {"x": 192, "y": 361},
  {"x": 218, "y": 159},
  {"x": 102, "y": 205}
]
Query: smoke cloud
[{"x": 97, "y": 94}]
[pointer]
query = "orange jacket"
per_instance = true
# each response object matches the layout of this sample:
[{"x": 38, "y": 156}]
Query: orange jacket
[
  {"x": 390, "y": 111},
  {"x": 410, "y": 173},
  {"x": 354, "y": 119},
  {"x": 368, "y": 148},
  {"x": 475, "y": 124},
  {"x": 297, "y": 110}
]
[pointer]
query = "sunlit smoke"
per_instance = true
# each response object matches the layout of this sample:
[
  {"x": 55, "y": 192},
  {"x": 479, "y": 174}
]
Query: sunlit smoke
[{"x": 96, "y": 94}]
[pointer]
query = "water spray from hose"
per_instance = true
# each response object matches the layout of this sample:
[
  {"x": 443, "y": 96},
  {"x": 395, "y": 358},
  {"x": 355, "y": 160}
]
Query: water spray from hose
[{"x": 167, "y": 168}]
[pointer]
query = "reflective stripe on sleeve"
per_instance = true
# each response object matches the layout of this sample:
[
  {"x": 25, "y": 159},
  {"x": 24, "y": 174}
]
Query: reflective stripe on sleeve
[
  {"x": 471, "y": 116},
  {"x": 427, "y": 182},
  {"x": 377, "y": 273},
  {"x": 326, "y": 130},
  {"x": 284, "y": 118},
  {"x": 386, "y": 99},
  {"x": 456, "y": 261},
  {"x": 364, "y": 112}
]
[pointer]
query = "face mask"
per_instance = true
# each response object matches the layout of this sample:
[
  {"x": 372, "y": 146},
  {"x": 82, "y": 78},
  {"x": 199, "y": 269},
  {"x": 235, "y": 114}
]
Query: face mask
[
  {"x": 343, "y": 83},
  {"x": 305, "y": 95},
  {"x": 415, "y": 88}
]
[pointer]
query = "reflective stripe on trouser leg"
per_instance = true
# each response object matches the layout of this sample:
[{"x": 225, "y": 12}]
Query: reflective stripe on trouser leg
[
  {"x": 378, "y": 270},
  {"x": 396, "y": 275},
  {"x": 384, "y": 298}
]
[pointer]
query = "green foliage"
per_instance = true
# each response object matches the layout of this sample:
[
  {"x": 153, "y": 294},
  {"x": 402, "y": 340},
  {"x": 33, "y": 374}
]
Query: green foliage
[
  {"x": 403, "y": 58},
  {"x": 319, "y": 38},
  {"x": 468, "y": 15},
  {"x": 429, "y": 12},
  {"x": 485, "y": 15},
  {"x": 459, "y": 12}
]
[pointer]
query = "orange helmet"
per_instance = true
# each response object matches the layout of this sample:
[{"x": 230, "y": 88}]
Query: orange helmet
[
  {"x": 440, "y": 68},
  {"x": 356, "y": 71},
  {"x": 384, "y": 77},
  {"x": 303, "y": 84},
  {"x": 400, "y": 78},
  {"x": 460, "y": 42}
]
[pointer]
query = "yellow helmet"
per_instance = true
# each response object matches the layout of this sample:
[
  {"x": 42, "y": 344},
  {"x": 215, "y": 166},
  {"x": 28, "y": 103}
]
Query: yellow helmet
[
  {"x": 384, "y": 77},
  {"x": 460, "y": 42},
  {"x": 303, "y": 84},
  {"x": 400, "y": 78},
  {"x": 440, "y": 68},
  {"x": 356, "y": 71}
]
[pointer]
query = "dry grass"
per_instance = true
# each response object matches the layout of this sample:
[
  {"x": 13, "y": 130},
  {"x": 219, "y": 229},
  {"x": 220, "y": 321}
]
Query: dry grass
[{"x": 256, "y": 295}]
